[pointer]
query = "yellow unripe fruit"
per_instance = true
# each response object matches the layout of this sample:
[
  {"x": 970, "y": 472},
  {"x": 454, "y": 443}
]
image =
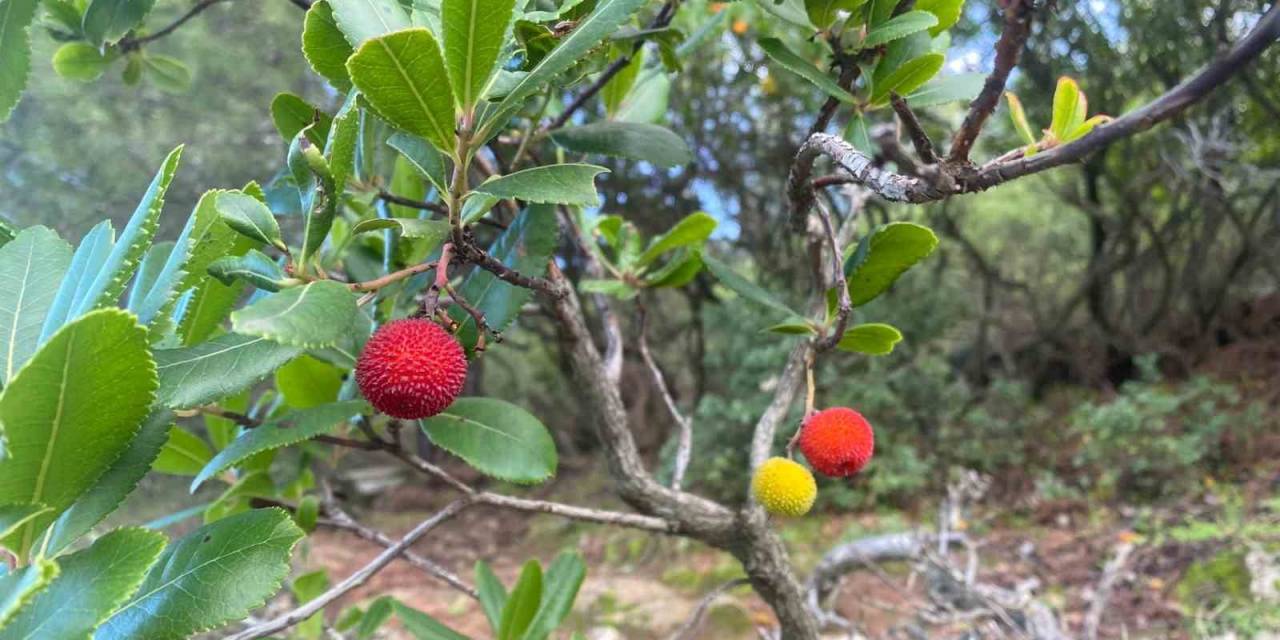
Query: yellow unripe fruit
[{"x": 784, "y": 487}]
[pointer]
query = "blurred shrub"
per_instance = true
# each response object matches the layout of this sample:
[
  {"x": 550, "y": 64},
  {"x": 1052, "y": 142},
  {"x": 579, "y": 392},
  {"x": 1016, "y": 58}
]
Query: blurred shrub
[{"x": 1155, "y": 439}]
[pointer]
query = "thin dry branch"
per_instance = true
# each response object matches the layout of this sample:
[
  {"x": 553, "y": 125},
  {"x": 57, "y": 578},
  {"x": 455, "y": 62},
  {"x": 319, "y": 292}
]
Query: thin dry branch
[
  {"x": 684, "y": 446},
  {"x": 1017, "y": 26},
  {"x": 354, "y": 580},
  {"x": 686, "y": 630}
]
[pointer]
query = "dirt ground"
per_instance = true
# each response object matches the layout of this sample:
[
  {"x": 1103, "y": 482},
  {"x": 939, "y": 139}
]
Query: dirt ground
[{"x": 644, "y": 588}]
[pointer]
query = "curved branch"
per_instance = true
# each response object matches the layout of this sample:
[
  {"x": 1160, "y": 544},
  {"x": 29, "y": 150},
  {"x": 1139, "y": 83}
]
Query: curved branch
[
  {"x": 1017, "y": 26},
  {"x": 955, "y": 178}
]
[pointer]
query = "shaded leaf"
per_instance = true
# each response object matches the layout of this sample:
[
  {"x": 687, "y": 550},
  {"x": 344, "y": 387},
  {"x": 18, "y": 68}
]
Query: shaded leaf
[
  {"x": 883, "y": 255},
  {"x": 291, "y": 428},
  {"x": 961, "y": 87},
  {"x": 908, "y": 77},
  {"x": 108, "y": 20},
  {"x": 15, "y": 51},
  {"x": 324, "y": 46},
  {"x": 254, "y": 267},
  {"x": 560, "y": 587},
  {"x": 19, "y": 586},
  {"x": 745, "y": 288},
  {"x": 183, "y": 454},
  {"x": 496, "y": 437},
  {"x": 803, "y": 68},
  {"x": 899, "y": 26},
  {"x": 572, "y": 184},
  {"x": 523, "y": 603},
  {"x": 637, "y": 141}
]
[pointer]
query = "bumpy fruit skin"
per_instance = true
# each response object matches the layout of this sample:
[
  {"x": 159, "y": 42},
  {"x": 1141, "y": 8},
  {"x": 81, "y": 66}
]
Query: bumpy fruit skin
[
  {"x": 784, "y": 487},
  {"x": 837, "y": 442},
  {"x": 411, "y": 369}
]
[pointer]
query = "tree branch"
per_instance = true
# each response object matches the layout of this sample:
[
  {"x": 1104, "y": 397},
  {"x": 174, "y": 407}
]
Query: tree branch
[
  {"x": 685, "y": 632},
  {"x": 919, "y": 139},
  {"x": 1017, "y": 26},
  {"x": 131, "y": 44},
  {"x": 953, "y": 180},
  {"x": 356, "y": 579},
  {"x": 684, "y": 447},
  {"x": 659, "y": 21}
]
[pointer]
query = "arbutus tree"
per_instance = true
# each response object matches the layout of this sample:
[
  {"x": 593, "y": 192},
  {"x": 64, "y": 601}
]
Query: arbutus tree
[{"x": 482, "y": 105}]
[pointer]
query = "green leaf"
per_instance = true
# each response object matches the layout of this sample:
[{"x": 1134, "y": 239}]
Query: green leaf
[
  {"x": 291, "y": 115},
  {"x": 31, "y": 266},
  {"x": 19, "y": 586},
  {"x": 474, "y": 31},
  {"x": 648, "y": 142},
  {"x": 523, "y": 603},
  {"x": 306, "y": 382},
  {"x": 493, "y": 596},
  {"x": 608, "y": 15},
  {"x": 899, "y": 26},
  {"x": 305, "y": 588},
  {"x": 422, "y": 156},
  {"x": 217, "y": 573},
  {"x": 312, "y": 316},
  {"x": 227, "y": 364},
  {"x": 562, "y": 581},
  {"x": 13, "y": 516},
  {"x": 103, "y": 286},
  {"x": 803, "y": 68},
  {"x": 1019, "y": 117},
  {"x": 108, "y": 20},
  {"x": 422, "y": 626},
  {"x": 692, "y": 230},
  {"x": 154, "y": 302},
  {"x": 79, "y": 61},
  {"x": 91, "y": 383},
  {"x": 250, "y": 483},
  {"x": 15, "y": 51},
  {"x": 378, "y": 613},
  {"x": 254, "y": 267},
  {"x": 184, "y": 454},
  {"x": 947, "y": 11},
  {"x": 873, "y": 339},
  {"x": 680, "y": 270},
  {"x": 880, "y": 11},
  {"x": 908, "y": 77},
  {"x": 210, "y": 240},
  {"x": 616, "y": 89},
  {"x": 572, "y": 184},
  {"x": 90, "y": 585},
  {"x": 170, "y": 75},
  {"x": 647, "y": 102},
  {"x": 1087, "y": 126},
  {"x": 525, "y": 246},
  {"x": 291, "y": 428},
  {"x": 496, "y": 437},
  {"x": 615, "y": 288},
  {"x": 824, "y": 12},
  {"x": 249, "y": 216},
  {"x": 112, "y": 487},
  {"x": 883, "y": 255},
  {"x": 1069, "y": 108},
  {"x": 745, "y": 288},
  {"x": 858, "y": 135},
  {"x": 324, "y": 46},
  {"x": 403, "y": 77},
  {"x": 961, "y": 87},
  {"x": 798, "y": 327},
  {"x": 344, "y": 136},
  {"x": 361, "y": 20},
  {"x": 434, "y": 231}
]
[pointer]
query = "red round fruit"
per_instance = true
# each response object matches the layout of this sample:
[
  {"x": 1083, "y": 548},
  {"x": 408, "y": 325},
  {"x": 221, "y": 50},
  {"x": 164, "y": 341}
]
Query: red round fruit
[
  {"x": 411, "y": 369},
  {"x": 837, "y": 442}
]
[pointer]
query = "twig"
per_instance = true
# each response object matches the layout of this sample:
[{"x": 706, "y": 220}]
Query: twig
[
  {"x": 844, "y": 303},
  {"x": 378, "y": 283},
  {"x": 663, "y": 18},
  {"x": 356, "y": 579},
  {"x": 339, "y": 519},
  {"x": 1017, "y": 26},
  {"x": 686, "y": 630},
  {"x": 684, "y": 446},
  {"x": 132, "y": 44},
  {"x": 434, "y": 207},
  {"x": 1107, "y": 584},
  {"x": 919, "y": 139}
]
